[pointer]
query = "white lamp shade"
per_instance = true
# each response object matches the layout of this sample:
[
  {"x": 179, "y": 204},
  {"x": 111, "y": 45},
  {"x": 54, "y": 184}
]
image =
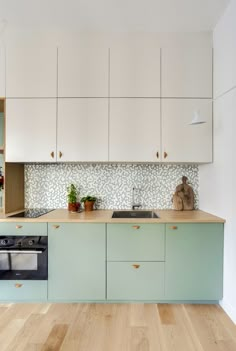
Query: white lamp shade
[{"x": 197, "y": 119}]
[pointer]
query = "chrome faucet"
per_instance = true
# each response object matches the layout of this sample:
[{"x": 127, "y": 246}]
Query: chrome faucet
[{"x": 135, "y": 206}]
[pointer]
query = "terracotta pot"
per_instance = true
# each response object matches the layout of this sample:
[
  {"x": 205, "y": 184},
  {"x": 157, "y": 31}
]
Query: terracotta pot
[
  {"x": 88, "y": 205},
  {"x": 73, "y": 207}
]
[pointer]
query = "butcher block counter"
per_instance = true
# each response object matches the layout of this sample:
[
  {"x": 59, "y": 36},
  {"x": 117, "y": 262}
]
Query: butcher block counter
[{"x": 105, "y": 216}]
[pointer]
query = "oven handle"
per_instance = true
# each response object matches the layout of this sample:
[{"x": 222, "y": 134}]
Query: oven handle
[{"x": 21, "y": 251}]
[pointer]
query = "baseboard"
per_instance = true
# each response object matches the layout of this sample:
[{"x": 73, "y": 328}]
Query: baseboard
[{"x": 231, "y": 312}]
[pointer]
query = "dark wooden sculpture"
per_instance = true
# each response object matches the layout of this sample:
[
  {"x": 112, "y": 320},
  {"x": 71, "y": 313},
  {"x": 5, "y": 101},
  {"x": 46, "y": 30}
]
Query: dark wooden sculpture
[{"x": 183, "y": 198}]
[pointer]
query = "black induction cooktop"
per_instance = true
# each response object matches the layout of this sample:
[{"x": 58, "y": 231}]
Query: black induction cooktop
[{"x": 32, "y": 213}]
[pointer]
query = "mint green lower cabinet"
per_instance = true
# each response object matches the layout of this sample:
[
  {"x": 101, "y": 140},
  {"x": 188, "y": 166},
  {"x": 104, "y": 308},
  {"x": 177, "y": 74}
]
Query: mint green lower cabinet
[
  {"x": 132, "y": 281},
  {"x": 24, "y": 290},
  {"x": 194, "y": 261},
  {"x": 77, "y": 261}
]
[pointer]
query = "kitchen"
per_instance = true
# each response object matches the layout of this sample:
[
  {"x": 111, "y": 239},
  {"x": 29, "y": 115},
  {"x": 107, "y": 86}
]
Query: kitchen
[{"x": 88, "y": 94}]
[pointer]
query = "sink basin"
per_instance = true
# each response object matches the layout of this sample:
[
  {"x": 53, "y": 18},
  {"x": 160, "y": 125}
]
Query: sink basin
[{"x": 134, "y": 214}]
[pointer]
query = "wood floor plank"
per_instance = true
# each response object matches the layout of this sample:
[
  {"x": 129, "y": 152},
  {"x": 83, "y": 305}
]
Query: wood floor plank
[
  {"x": 115, "y": 327},
  {"x": 210, "y": 331},
  {"x": 9, "y": 332},
  {"x": 55, "y": 338},
  {"x": 166, "y": 314},
  {"x": 21, "y": 341},
  {"x": 177, "y": 335},
  {"x": 139, "y": 339}
]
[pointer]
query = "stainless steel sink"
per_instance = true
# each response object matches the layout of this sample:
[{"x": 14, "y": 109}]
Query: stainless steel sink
[{"x": 134, "y": 214}]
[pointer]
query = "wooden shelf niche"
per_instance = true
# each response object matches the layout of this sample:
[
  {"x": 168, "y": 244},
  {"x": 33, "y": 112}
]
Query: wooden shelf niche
[{"x": 12, "y": 195}]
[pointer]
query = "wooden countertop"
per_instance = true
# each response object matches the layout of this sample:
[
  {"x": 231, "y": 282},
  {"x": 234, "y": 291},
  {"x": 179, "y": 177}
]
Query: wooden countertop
[{"x": 104, "y": 216}]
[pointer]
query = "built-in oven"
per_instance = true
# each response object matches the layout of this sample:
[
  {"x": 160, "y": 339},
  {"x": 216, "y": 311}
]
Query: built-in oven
[{"x": 23, "y": 257}]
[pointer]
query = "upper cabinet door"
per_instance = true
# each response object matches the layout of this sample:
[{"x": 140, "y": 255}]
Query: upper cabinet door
[
  {"x": 2, "y": 73},
  {"x": 82, "y": 130},
  {"x": 134, "y": 130},
  {"x": 83, "y": 72},
  {"x": 182, "y": 142},
  {"x": 31, "y": 130},
  {"x": 186, "y": 72},
  {"x": 134, "y": 72},
  {"x": 31, "y": 72}
]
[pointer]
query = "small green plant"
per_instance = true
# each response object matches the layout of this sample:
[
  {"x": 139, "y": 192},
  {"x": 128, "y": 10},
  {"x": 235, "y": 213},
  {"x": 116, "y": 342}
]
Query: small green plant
[
  {"x": 88, "y": 198},
  {"x": 72, "y": 194}
]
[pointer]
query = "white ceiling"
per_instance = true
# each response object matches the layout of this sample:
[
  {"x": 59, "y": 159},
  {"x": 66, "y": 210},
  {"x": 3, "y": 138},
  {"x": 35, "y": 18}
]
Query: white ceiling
[{"x": 113, "y": 15}]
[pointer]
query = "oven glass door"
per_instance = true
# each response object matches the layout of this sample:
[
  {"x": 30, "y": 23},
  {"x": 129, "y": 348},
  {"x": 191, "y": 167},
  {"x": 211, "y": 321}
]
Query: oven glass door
[{"x": 18, "y": 261}]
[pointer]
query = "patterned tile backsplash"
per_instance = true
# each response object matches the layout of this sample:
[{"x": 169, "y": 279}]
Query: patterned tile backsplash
[{"x": 45, "y": 184}]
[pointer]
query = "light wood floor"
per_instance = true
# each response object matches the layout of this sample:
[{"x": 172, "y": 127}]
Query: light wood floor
[{"x": 115, "y": 327}]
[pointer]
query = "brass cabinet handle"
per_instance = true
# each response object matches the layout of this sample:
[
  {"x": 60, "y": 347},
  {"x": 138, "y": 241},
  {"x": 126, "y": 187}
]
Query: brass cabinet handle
[
  {"x": 136, "y": 226},
  {"x": 157, "y": 154},
  {"x": 174, "y": 227},
  {"x": 56, "y": 226},
  {"x": 18, "y": 285},
  {"x": 52, "y": 154},
  {"x": 60, "y": 154},
  {"x": 165, "y": 154},
  {"x": 136, "y": 266},
  {"x": 18, "y": 226}
]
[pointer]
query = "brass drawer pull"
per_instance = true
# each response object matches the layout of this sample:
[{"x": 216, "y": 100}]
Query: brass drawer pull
[
  {"x": 56, "y": 226},
  {"x": 18, "y": 285},
  {"x": 60, "y": 154},
  {"x": 136, "y": 266},
  {"x": 157, "y": 154},
  {"x": 52, "y": 154},
  {"x": 174, "y": 227},
  {"x": 18, "y": 226},
  {"x": 136, "y": 226},
  {"x": 165, "y": 154}
]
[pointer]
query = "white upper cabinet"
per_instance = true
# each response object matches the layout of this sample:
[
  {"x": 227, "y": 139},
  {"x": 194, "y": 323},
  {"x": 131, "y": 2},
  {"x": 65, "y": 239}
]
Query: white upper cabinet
[
  {"x": 134, "y": 130},
  {"x": 31, "y": 130},
  {"x": 31, "y": 72},
  {"x": 134, "y": 72},
  {"x": 82, "y": 130},
  {"x": 182, "y": 142},
  {"x": 186, "y": 72},
  {"x": 83, "y": 72},
  {"x": 2, "y": 72}
]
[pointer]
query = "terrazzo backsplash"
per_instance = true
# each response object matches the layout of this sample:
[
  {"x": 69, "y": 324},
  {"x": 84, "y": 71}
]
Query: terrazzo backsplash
[{"x": 45, "y": 184}]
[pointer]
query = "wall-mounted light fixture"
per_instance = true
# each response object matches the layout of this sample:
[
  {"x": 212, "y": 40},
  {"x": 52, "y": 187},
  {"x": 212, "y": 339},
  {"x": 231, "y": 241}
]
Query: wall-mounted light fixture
[{"x": 197, "y": 118}]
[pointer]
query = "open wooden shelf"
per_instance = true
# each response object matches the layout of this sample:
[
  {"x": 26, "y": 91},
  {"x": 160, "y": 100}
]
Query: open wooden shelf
[{"x": 1, "y": 105}]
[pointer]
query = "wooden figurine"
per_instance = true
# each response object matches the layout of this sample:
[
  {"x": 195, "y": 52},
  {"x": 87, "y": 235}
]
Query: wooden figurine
[{"x": 183, "y": 198}]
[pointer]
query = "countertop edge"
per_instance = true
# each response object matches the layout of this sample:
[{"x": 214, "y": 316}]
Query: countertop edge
[{"x": 104, "y": 216}]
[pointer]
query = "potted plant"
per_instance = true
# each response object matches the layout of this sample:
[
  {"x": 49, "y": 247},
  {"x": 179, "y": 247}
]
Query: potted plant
[
  {"x": 88, "y": 202},
  {"x": 72, "y": 194}
]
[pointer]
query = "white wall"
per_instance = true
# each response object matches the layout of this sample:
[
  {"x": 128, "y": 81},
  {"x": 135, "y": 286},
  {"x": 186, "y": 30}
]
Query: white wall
[
  {"x": 218, "y": 180},
  {"x": 2, "y": 72}
]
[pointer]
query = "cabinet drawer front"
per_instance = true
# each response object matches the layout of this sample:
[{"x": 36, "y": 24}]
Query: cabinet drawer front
[
  {"x": 11, "y": 290},
  {"x": 23, "y": 228},
  {"x": 135, "y": 280},
  {"x": 128, "y": 242}
]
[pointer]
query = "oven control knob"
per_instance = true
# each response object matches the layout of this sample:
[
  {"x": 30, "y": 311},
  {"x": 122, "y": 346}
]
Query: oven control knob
[
  {"x": 31, "y": 242},
  {"x": 4, "y": 242}
]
